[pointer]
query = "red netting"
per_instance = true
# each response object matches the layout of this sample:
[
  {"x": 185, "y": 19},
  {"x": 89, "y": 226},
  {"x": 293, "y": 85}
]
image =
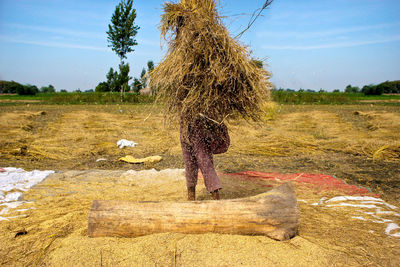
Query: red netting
[{"x": 320, "y": 181}]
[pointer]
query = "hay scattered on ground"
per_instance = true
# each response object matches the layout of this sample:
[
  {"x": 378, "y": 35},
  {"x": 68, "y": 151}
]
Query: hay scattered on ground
[
  {"x": 76, "y": 137},
  {"x": 316, "y": 132},
  {"x": 56, "y": 226},
  {"x": 65, "y": 137},
  {"x": 314, "y": 139}
]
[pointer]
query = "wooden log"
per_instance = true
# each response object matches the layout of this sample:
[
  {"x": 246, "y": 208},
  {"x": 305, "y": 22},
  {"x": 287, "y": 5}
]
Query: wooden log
[{"x": 274, "y": 214}]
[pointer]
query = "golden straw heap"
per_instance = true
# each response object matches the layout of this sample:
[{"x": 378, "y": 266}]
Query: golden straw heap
[{"x": 206, "y": 71}]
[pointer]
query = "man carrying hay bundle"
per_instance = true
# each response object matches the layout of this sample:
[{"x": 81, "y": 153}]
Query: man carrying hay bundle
[{"x": 205, "y": 77}]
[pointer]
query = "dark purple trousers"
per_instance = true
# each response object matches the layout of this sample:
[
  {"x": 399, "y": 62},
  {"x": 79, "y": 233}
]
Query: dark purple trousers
[{"x": 204, "y": 138}]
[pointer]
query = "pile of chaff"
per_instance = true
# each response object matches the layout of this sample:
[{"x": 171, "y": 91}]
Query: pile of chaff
[{"x": 205, "y": 71}]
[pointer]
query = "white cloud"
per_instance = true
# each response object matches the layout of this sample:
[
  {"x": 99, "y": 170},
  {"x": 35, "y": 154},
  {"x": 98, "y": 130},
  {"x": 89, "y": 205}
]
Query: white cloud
[
  {"x": 60, "y": 33},
  {"x": 325, "y": 33},
  {"x": 331, "y": 45},
  {"x": 55, "y": 30},
  {"x": 148, "y": 42},
  {"x": 8, "y": 39}
]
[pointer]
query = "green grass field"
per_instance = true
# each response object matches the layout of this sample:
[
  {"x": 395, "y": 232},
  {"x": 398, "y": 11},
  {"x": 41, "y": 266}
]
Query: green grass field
[
  {"x": 76, "y": 98},
  {"x": 281, "y": 97}
]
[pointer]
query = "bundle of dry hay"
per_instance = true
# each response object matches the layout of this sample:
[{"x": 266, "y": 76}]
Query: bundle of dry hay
[{"x": 206, "y": 71}]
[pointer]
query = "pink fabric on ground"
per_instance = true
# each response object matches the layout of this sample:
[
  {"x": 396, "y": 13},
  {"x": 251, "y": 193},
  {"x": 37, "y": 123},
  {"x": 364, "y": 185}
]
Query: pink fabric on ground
[{"x": 320, "y": 181}]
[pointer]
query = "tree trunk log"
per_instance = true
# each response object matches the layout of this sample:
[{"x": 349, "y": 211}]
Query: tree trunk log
[{"x": 274, "y": 214}]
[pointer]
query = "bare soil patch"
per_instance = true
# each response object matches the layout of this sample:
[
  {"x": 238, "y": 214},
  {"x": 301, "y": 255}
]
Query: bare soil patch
[
  {"x": 381, "y": 101},
  {"x": 19, "y": 101}
]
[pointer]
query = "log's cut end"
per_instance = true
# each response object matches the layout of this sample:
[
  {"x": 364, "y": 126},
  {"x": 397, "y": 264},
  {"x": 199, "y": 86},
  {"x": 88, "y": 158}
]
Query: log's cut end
[{"x": 274, "y": 214}]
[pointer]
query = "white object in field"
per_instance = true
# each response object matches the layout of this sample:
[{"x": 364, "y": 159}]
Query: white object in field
[
  {"x": 377, "y": 208},
  {"x": 390, "y": 228},
  {"x": 151, "y": 159},
  {"x": 14, "y": 181},
  {"x": 125, "y": 143}
]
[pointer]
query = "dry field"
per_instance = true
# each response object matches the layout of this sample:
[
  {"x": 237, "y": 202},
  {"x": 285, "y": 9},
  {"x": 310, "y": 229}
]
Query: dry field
[{"x": 359, "y": 144}]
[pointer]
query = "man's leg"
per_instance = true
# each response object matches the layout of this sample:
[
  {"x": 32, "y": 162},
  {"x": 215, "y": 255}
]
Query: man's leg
[
  {"x": 204, "y": 157},
  {"x": 191, "y": 170}
]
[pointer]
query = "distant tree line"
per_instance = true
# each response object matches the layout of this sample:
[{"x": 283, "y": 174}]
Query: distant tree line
[
  {"x": 11, "y": 87},
  {"x": 116, "y": 80},
  {"x": 388, "y": 87},
  {"x": 372, "y": 89},
  {"x": 301, "y": 90}
]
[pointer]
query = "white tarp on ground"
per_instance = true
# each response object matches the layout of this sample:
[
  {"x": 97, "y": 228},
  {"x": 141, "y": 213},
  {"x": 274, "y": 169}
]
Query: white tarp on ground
[
  {"x": 13, "y": 182},
  {"x": 125, "y": 143},
  {"x": 368, "y": 209}
]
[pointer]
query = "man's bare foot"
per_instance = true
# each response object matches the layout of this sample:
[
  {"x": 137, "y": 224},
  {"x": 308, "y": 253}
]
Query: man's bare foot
[
  {"x": 215, "y": 194},
  {"x": 191, "y": 196}
]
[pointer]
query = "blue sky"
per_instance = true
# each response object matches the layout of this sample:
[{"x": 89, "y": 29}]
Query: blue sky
[{"x": 309, "y": 44}]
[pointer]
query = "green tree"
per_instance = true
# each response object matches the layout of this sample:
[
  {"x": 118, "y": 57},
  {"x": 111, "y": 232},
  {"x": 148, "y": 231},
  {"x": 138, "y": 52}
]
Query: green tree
[
  {"x": 17, "y": 88},
  {"x": 143, "y": 78},
  {"x": 371, "y": 90},
  {"x": 29, "y": 90},
  {"x": 47, "y": 89},
  {"x": 102, "y": 87},
  {"x": 10, "y": 87},
  {"x": 122, "y": 31},
  {"x": 396, "y": 87},
  {"x": 112, "y": 80},
  {"x": 123, "y": 77},
  {"x": 14, "y": 87},
  {"x": 352, "y": 89},
  {"x": 143, "y": 73},
  {"x": 137, "y": 85},
  {"x": 150, "y": 65},
  {"x": 3, "y": 87},
  {"x": 348, "y": 89},
  {"x": 385, "y": 87}
]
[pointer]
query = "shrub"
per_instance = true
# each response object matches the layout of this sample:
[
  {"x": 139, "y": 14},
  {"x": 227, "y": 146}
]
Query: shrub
[
  {"x": 136, "y": 85},
  {"x": 10, "y": 87},
  {"x": 352, "y": 89},
  {"x": 102, "y": 87},
  {"x": 47, "y": 89},
  {"x": 372, "y": 90},
  {"x": 28, "y": 90},
  {"x": 303, "y": 97}
]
